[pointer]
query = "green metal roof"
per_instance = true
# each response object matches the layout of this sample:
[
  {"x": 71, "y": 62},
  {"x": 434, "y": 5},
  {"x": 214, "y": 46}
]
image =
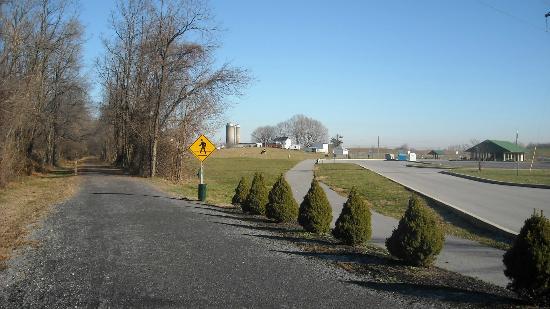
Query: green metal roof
[
  {"x": 511, "y": 147},
  {"x": 437, "y": 152},
  {"x": 504, "y": 145}
]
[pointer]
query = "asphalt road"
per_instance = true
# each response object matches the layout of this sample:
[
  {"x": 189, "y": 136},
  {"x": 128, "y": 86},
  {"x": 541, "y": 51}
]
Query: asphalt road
[
  {"x": 491, "y": 164},
  {"x": 505, "y": 206},
  {"x": 121, "y": 243},
  {"x": 459, "y": 255}
]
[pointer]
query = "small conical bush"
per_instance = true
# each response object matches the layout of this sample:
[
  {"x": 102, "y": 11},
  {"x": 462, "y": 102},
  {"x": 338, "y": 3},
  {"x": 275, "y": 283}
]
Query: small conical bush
[
  {"x": 353, "y": 226},
  {"x": 418, "y": 238},
  {"x": 527, "y": 262},
  {"x": 281, "y": 206},
  {"x": 315, "y": 213},
  {"x": 257, "y": 196},
  {"x": 241, "y": 192}
]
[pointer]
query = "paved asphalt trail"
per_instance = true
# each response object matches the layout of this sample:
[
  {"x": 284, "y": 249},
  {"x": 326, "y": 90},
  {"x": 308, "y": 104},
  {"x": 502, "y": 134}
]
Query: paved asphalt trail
[
  {"x": 459, "y": 255},
  {"x": 505, "y": 206},
  {"x": 121, "y": 243}
]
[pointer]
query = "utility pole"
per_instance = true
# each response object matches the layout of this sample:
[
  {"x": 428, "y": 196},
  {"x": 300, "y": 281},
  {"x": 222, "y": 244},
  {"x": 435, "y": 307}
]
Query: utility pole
[
  {"x": 546, "y": 19},
  {"x": 378, "y": 156},
  {"x": 517, "y": 156}
]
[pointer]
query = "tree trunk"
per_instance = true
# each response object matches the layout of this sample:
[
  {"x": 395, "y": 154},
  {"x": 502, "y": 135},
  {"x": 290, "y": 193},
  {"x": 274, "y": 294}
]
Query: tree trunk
[{"x": 154, "y": 153}]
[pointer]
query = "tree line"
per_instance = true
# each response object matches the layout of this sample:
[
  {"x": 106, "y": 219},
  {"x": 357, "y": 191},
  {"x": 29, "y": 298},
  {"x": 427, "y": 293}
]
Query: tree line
[
  {"x": 43, "y": 96},
  {"x": 161, "y": 84},
  {"x": 300, "y": 129}
]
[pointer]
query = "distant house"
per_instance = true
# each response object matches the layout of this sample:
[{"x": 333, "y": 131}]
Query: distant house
[
  {"x": 319, "y": 148},
  {"x": 340, "y": 151},
  {"x": 284, "y": 142},
  {"x": 493, "y": 150},
  {"x": 295, "y": 147},
  {"x": 436, "y": 153}
]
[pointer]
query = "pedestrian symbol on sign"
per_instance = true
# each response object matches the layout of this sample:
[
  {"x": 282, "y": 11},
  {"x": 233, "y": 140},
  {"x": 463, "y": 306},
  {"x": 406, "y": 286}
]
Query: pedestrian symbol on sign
[{"x": 202, "y": 148}]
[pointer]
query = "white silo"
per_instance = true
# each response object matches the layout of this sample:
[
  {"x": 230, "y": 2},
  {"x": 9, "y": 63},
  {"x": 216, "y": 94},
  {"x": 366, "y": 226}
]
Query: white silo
[
  {"x": 237, "y": 134},
  {"x": 229, "y": 134}
]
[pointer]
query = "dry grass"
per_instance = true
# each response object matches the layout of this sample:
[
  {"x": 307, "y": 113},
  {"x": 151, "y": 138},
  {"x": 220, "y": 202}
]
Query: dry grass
[
  {"x": 536, "y": 176},
  {"x": 224, "y": 169},
  {"x": 270, "y": 153},
  {"x": 25, "y": 202}
]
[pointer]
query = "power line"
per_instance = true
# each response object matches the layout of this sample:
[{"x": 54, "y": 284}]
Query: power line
[{"x": 519, "y": 19}]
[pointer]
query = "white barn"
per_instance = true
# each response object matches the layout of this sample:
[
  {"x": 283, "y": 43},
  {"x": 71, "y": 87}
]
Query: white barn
[{"x": 284, "y": 141}]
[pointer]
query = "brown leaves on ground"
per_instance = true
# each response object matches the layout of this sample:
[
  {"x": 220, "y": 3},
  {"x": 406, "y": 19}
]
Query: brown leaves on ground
[{"x": 25, "y": 202}]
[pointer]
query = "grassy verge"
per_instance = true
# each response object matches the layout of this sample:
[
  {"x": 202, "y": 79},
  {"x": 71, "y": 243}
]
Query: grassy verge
[
  {"x": 225, "y": 168},
  {"x": 25, "y": 202},
  {"x": 391, "y": 199},
  {"x": 539, "y": 176}
]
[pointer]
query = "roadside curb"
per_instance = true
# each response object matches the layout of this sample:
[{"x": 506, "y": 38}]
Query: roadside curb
[
  {"x": 472, "y": 218},
  {"x": 496, "y": 182}
]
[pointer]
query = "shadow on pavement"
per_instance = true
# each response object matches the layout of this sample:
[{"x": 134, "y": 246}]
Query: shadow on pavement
[
  {"x": 456, "y": 220},
  {"x": 132, "y": 194},
  {"x": 256, "y": 228},
  {"x": 377, "y": 270},
  {"x": 444, "y": 293},
  {"x": 345, "y": 257},
  {"x": 297, "y": 240},
  {"x": 462, "y": 296},
  {"x": 89, "y": 169}
]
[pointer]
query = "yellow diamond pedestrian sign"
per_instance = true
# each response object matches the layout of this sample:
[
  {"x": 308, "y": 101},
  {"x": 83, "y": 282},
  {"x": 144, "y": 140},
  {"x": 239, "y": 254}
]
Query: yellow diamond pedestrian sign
[{"x": 202, "y": 148}]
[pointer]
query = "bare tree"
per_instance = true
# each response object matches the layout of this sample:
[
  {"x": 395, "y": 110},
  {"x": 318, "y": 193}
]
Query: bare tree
[
  {"x": 40, "y": 79},
  {"x": 264, "y": 135},
  {"x": 160, "y": 82},
  {"x": 307, "y": 131}
]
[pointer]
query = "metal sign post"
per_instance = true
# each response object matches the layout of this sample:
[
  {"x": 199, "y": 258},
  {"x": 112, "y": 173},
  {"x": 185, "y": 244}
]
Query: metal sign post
[
  {"x": 533, "y": 159},
  {"x": 201, "y": 175},
  {"x": 202, "y": 148},
  {"x": 517, "y": 161}
]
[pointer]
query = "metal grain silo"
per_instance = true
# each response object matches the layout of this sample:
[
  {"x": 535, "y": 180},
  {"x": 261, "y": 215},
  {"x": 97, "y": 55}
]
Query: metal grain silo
[
  {"x": 229, "y": 134},
  {"x": 237, "y": 134}
]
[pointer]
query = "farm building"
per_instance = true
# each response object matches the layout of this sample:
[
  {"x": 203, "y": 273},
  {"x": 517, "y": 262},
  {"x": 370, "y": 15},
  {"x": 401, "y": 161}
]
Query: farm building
[
  {"x": 493, "y": 150},
  {"x": 340, "y": 151},
  {"x": 283, "y": 141},
  {"x": 436, "y": 153},
  {"x": 319, "y": 148}
]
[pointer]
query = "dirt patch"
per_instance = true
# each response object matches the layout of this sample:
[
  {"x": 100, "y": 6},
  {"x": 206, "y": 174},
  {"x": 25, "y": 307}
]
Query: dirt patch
[{"x": 24, "y": 202}]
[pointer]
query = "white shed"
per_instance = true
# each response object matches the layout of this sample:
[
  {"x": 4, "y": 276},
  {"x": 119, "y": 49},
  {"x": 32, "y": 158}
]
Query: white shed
[
  {"x": 341, "y": 151},
  {"x": 319, "y": 148}
]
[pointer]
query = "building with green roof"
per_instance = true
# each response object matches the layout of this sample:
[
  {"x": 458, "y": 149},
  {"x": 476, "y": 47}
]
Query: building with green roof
[
  {"x": 436, "y": 153},
  {"x": 493, "y": 150}
]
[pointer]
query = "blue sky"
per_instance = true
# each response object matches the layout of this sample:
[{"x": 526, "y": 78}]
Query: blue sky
[{"x": 429, "y": 73}]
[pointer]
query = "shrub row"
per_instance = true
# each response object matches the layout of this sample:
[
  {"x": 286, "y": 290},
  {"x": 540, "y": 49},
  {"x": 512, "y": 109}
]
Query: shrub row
[{"x": 417, "y": 240}]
